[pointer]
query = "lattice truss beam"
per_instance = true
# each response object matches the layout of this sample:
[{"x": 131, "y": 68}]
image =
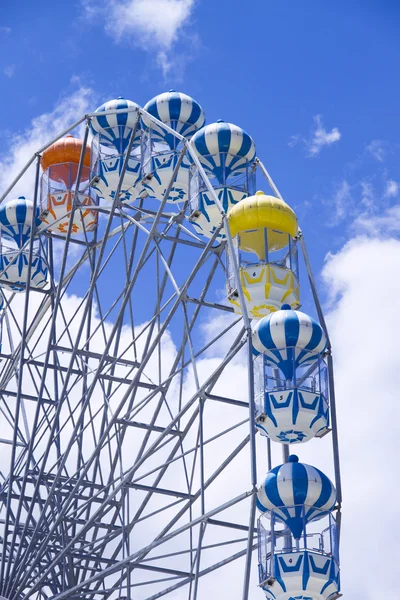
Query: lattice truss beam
[
  {"x": 118, "y": 439},
  {"x": 128, "y": 437}
]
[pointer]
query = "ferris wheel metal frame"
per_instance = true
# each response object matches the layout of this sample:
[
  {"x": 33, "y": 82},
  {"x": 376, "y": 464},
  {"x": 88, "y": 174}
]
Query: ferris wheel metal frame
[{"x": 24, "y": 552}]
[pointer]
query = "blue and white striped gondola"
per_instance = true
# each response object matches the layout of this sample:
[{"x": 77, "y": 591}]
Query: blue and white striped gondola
[
  {"x": 226, "y": 152},
  {"x": 16, "y": 227},
  {"x": 182, "y": 114},
  {"x": 297, "y": 494},
  {"x": 294, "y": 410},
  {"x": 112, "y": 133},
  {"x": 288, "y": 338},
  {"x": 178, "y": 111},
  {"x": 302, "y": 561},
  {"x": 115, "y": 129},
  {"x": 16, "y": 220}
]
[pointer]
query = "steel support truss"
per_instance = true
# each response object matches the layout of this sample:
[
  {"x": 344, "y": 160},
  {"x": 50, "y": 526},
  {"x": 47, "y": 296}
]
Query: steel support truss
[{"x": 128, "y": 462}]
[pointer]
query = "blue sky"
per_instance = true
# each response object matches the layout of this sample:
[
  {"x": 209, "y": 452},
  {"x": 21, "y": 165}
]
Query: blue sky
[
  {"x": 316, "y": 85},
  {"x": 285, "y": 71}
]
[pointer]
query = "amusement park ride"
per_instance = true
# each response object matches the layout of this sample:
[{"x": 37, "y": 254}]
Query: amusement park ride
[{"x": 131, "y": 394}]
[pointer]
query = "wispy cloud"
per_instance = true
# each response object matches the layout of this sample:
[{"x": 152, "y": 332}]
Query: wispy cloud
[
  {"x": 9, "y": 70},
  {"x": 342, "y": 202},
  {"x": 362, "y": 198},
  {"x": 383, "y": 225},
  {"x": 367, "y": 198},
  {"x": 319, "y": 137},
  {"x": 378, "y": 149},
  {"x": 41, "y": 130},
  {"x": 365, "y": 206},
  {"x": 5, "y": 29},
  {"x": 353, "y": 202},
  {"x": 392, "y": 189},
  {"x": 154, "y": 26}
]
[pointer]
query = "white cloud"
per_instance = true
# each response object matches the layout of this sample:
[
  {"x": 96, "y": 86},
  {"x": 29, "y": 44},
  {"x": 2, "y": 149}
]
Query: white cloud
[
  {"x": 365, "y": 326},
  {"x": 385, "y": 224},
  {"x": 9, "y": 70},
  {"x": 157, "y": 22},
  {"x": 319, "y": 138},
  {"x": 378, "y": 149},
  {"x": 5, "y": 29},
  {"x": 293, "y": 140},
  {"x": 342, "y": 202},
  {"x": 164, "y": 62},
  {"x": 322, "y": 137},
  {"x": 40, "y": 131},
  {"x": 154, "y": 26},
  {"x": 367, "y": 196},
  {"x": 392, "y": 188},
  {"x": 362, "y": 204}
]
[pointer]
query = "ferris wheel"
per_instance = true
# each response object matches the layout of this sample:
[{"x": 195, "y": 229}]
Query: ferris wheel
[{"x": 149, "y": 329}]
